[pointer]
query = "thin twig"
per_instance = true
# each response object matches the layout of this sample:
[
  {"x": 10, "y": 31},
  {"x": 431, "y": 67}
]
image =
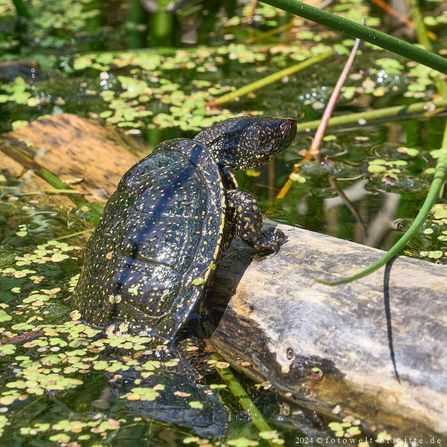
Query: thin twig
[
  {"x": 314, "y": 149},
  {"x": 43, "y": 191},
  {"x": 17, "y": 339},
  {"x": 77, "y": 233},
  {"x": 252, "y": 11},
  {"x": 396, "y": 14}
]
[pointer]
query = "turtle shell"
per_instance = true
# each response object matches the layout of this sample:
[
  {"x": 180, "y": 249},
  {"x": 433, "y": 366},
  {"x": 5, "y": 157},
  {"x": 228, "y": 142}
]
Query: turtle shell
[{"x": 157, "y": 243}]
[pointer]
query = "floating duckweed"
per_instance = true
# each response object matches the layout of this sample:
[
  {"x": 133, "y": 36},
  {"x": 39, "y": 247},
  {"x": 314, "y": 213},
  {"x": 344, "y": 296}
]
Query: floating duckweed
[
  {"x": 23, "y": 231},
  {"x": 151, "y": 365},
  {"x": 198, "y": 281},
  {"x": 242, "y": 442},
  {"x": 146, "y": 393},
  {"x": 181, "y": 394},
  {"x": 196, "y": 405},
  {"x": 386, "y": 169},
  {"x": 171, "y": 363},
  {"x": 7, "y": 349},
  {"x": 4, "y": 316},
  {"x": 271, "y": 434},
  {"x": 60, "y": 437},
  {"x": 409, "y": 151},
  {"x": 294, "y": 177},
  {"x": 433, "y": 254},
  {"x": 383, "y": 437},
  {"x": 17, "y": 91}
]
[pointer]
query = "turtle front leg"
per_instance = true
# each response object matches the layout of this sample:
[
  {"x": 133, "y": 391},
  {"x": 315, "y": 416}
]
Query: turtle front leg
[{"x": 247, "y": 217}]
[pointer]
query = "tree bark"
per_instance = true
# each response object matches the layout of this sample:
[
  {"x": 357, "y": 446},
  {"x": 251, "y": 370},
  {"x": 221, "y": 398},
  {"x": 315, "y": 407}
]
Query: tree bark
[{"x": 285, "y": 323}]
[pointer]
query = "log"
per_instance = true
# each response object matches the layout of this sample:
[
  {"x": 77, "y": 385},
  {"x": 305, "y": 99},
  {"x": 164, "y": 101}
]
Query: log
[
  {"x": 81, "y": 152},
  {"x": 274, "y": 314},
  {"x": 284, "y": 323}
]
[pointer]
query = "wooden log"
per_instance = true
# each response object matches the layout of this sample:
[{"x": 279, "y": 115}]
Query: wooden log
[
  {"x": 81, "y": 152},
  {"x": 285, "y": 324}
]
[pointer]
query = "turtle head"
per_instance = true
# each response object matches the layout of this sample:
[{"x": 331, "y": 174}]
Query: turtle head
[{"x": 248, "y": 142}]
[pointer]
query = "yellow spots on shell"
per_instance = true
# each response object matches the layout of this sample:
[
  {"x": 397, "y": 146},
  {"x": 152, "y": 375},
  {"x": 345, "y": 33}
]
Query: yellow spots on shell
[
  {"x": 133, "y": 290},
  {"x": 186, "y": 237}
]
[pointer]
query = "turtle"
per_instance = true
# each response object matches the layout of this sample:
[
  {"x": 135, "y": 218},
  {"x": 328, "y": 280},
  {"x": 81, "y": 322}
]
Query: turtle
[{"x": 173, "y": 215}]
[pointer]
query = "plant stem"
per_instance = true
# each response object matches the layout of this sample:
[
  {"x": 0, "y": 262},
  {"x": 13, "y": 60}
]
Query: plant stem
[
  {"x": 76, "y": 234},
  {"x": 423, "y": 39},
  {"x": 260, "y": 83},
  {"x": 314, "y": 149},
  {"x": 421, "y": 31},
  {"x": 363, "y": 32},
  {"x": 136, "y": 18},
  {"x": 392, "y": 12},
  {"x": 238, "y": 391},
  {"x": 22, "y": 9},
  {"x": 432, "y": 196},
  {"x": 351, "y": 118},
  {"x": 252, "y": 11}
]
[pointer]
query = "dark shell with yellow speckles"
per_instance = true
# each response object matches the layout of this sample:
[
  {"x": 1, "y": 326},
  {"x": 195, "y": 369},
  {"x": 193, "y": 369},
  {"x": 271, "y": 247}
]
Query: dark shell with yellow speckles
[{"x": 157, "y": 243}]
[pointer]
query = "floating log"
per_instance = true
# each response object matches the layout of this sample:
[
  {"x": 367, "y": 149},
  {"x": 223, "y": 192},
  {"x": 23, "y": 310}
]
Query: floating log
[{"x": 328, "y": 346}]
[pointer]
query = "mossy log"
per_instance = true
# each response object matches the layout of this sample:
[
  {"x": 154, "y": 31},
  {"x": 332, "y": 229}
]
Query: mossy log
[{"x": 275, "y": 315}]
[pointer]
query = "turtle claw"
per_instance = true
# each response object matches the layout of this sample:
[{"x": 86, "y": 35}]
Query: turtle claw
[{"x": 270, "y": 240}]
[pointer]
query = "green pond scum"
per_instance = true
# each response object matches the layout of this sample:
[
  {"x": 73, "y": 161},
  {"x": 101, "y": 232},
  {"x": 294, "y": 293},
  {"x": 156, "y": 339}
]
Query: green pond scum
[{"x": 151, "y": 69}]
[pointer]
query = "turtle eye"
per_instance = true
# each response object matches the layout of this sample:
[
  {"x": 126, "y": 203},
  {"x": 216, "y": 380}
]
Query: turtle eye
[{"x": 287, "y": 126}]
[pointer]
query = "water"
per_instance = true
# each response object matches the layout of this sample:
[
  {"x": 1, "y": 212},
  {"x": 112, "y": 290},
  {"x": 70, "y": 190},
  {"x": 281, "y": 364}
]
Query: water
[{"x": 160, "y": 95}]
